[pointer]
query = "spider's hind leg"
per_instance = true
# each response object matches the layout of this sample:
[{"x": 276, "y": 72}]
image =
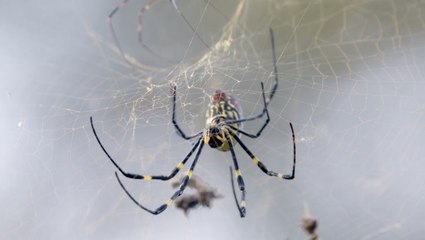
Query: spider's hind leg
[
  {"x": 263, "y": 167},
  {"x": 241, "y": 206}
]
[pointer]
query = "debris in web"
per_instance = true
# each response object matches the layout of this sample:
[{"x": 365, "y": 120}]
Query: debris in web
[
  {"x": 204, "y": 196},
  {"x": 309, "y": 224}
]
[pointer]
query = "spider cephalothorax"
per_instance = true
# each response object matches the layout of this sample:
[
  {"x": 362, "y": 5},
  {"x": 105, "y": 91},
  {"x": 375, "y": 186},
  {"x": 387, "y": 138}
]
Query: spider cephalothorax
[
  {"x": 222, "y": 130},
  {"x": 217, "y": 135}
]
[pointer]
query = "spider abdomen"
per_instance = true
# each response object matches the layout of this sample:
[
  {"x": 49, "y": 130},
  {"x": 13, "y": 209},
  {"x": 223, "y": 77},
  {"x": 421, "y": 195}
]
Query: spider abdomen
[
  {"x": 223, "y": 105},
  {"x": 222, "y": 108}
]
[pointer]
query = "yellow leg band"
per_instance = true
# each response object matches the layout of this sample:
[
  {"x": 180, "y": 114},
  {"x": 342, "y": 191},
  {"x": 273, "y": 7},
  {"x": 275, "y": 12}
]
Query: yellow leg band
[
  {"x": 255, "y": 160},
  {"x": 207, "y": 138},
  {"x": 180, "y": 166},
  {"x": 147, "y": 178},
  {"x": 238, "y": 172}
]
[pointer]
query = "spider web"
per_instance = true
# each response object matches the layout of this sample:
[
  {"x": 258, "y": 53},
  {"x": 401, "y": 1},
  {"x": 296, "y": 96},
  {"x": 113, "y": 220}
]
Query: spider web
[{"x": 351, "y": 81}]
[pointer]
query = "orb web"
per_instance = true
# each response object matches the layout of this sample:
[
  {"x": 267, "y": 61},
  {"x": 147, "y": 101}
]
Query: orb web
[{"x": 350, "y": 81}]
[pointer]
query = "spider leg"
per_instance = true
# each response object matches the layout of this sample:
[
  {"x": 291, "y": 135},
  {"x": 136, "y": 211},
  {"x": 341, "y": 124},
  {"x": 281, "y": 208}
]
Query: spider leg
[
  {"x": 183, "y": 184},
  {"x": 241, "y": 184},
  {"x": 234, "y": 192},
  {"x": 272, "y": 92},
  {"x": 264, "y": 125},
  {"x": 262, "y": 166},
  {"x": 176, "y": 126},
  {"x": 145, "y": 177}
]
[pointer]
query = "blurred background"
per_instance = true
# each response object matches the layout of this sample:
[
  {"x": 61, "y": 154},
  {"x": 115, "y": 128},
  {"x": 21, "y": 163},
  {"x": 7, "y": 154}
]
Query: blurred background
[{"x": 351, "y": 81}]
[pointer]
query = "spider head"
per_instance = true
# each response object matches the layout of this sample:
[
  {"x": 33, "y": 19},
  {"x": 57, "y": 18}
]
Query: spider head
[{"x": 214, "y": 134}]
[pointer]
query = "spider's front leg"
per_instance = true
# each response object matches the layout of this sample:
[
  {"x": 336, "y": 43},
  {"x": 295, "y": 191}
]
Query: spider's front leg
[
  {"x": 145, "y": 177},
  {"x": 183, "y": 185},
  {"x": 173, "y": 119}
]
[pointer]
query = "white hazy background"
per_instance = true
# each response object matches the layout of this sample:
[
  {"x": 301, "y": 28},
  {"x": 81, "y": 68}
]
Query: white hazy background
[{"x": 351, "y": 81}]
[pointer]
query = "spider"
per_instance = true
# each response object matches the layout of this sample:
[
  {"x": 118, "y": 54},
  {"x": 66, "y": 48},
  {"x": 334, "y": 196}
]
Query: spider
[{"x": 222, "y": 131}]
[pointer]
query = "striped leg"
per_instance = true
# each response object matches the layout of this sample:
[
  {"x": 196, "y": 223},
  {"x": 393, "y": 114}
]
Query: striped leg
[
  {"x": 262, "y": 166},
  {"x": 241, "y": 184},
  {"x": 145, "y": 177},
  {"x": 183, "y": 185}
]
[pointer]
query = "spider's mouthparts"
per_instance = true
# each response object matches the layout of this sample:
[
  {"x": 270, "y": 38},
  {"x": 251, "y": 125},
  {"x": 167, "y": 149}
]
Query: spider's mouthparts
[{"x": 215, "y": 131}]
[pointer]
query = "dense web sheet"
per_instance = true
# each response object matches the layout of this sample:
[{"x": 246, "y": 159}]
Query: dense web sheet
[{"x": 351, "y": 80}]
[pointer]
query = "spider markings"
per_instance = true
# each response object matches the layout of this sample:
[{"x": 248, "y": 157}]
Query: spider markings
[
  {"x": 222, "y": 107},
  {"x": 221, "y": 132}
]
